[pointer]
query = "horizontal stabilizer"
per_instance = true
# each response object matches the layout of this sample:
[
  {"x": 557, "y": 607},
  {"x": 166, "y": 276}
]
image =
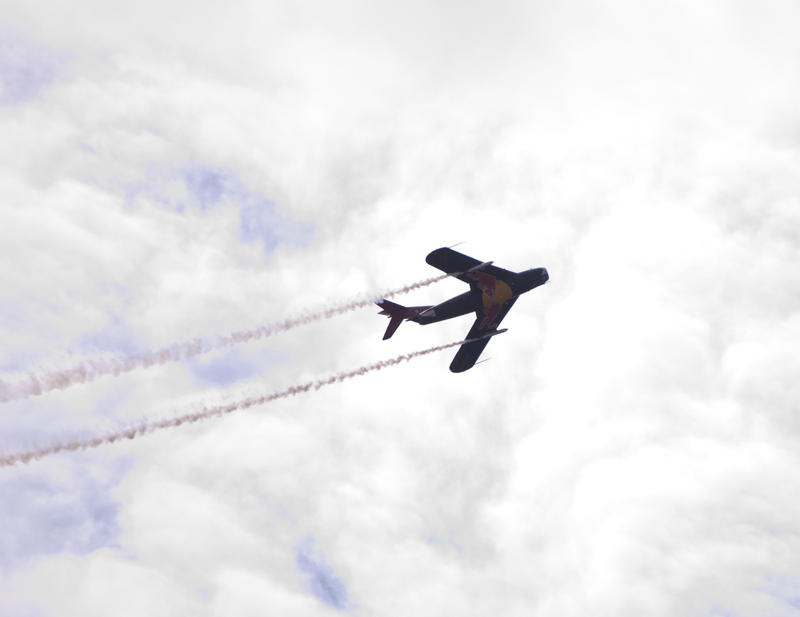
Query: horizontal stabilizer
[
  {"x": 397, "y": 313},
  {"x": 394, "y": 323}
]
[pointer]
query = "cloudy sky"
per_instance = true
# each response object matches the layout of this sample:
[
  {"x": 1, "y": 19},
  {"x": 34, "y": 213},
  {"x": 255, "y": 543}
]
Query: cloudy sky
[{"x": 173, "y": 170}]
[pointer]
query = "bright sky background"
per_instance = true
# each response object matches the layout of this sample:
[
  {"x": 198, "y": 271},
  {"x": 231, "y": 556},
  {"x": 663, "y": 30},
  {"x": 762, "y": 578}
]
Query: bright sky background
[{"x": 171, "y": 170}]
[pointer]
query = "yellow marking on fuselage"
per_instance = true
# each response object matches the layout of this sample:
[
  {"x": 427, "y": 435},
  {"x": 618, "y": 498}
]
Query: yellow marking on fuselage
[{"x": 502, "y": 294}]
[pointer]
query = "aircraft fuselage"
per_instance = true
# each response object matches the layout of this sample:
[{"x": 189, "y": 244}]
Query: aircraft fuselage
[{"x": 494, "y": 295}]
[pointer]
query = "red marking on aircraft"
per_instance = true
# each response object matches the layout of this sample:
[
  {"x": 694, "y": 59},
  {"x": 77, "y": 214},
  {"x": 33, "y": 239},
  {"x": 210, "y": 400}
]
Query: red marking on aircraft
[{"x": 495, "y": 294}]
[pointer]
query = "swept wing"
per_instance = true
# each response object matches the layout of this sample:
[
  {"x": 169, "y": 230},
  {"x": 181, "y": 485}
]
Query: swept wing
[
  {"x": 459, "y": 265},
  {"x": 468, "y": 353}
]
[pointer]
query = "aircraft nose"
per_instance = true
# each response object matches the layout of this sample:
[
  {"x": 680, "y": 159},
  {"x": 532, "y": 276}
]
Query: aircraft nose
[{"x": 544, "y": 275}]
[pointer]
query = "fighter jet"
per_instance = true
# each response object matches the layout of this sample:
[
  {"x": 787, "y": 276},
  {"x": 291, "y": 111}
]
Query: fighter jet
[{"x": 492, "y": 293}]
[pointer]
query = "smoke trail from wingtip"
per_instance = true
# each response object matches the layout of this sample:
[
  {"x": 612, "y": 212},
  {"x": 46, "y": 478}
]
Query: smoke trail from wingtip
[
  {"x": 90, "y": 370},
  {"x": 210, "y": 412}
]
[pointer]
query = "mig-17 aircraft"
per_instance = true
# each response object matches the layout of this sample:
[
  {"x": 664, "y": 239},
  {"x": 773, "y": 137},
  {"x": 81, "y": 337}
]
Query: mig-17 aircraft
[{"x": 493, "y": 291}]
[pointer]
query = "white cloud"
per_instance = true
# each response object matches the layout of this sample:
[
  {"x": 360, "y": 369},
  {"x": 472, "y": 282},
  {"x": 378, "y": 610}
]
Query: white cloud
[{"x": 630, "y": 447}]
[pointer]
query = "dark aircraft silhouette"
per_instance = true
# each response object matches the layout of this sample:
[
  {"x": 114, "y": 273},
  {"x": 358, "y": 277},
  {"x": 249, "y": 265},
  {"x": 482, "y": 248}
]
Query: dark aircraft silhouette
[{"x": 493, "y": 291}]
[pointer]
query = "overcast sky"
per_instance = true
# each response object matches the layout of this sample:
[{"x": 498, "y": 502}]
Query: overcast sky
[{"x": 171, "y": 170}]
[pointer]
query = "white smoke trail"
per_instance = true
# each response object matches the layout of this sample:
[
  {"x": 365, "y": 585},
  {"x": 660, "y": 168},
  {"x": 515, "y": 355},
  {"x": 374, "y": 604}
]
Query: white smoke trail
[
  {"x": 210, "y": 412},
  {"x": 90, "y": 370}
]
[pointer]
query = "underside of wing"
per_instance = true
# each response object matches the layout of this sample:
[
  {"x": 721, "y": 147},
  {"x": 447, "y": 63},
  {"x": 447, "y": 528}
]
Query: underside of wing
[
  {"x": 468, "y": 353},
  {"x": 455, "y": 263}
]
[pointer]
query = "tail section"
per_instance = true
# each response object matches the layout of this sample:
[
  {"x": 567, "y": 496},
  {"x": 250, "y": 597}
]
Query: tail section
[
  {"x": 394, "y": 323},
  {"x": 397, "y": 314}
]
